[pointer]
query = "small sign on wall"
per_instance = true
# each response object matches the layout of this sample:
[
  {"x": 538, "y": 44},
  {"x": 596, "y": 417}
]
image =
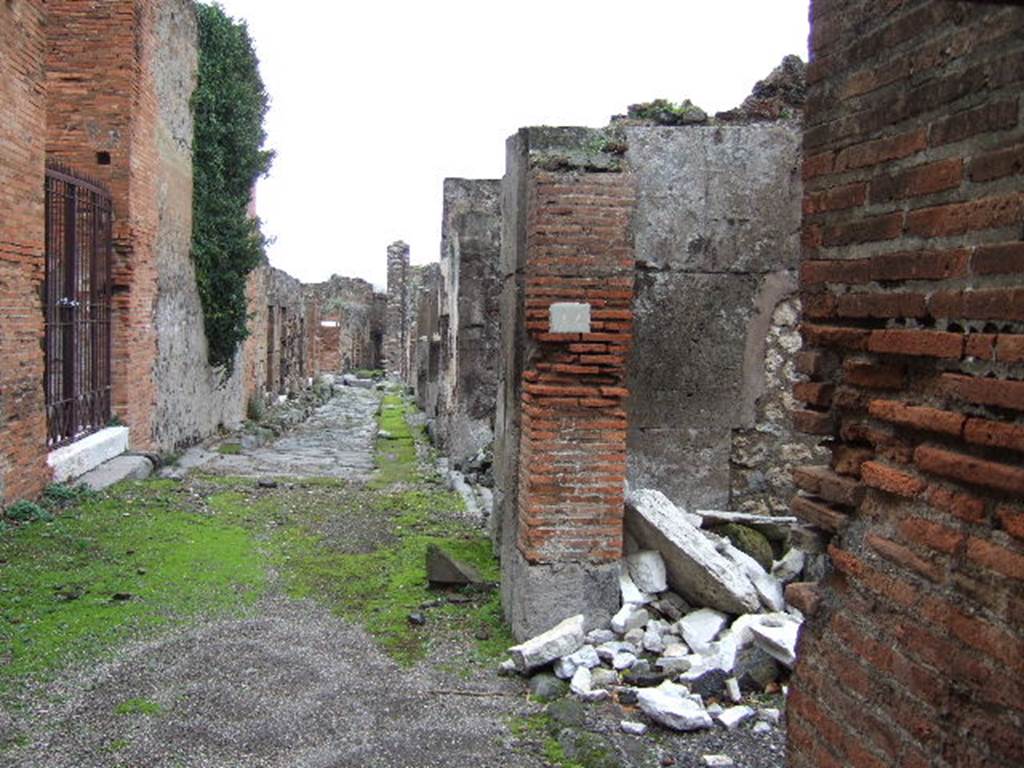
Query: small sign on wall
[{"x": 570, "y": 317}]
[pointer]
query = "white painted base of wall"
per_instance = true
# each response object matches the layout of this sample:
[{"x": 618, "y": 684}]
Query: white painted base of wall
[{"x": 74, "y": 460}]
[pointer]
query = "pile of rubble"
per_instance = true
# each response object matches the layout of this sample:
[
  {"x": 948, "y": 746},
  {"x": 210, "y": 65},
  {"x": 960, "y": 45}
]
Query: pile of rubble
[{"x": 701, "y": 622}]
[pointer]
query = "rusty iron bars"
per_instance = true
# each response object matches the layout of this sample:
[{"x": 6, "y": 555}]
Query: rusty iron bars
[{"x": 77, "y": 305}]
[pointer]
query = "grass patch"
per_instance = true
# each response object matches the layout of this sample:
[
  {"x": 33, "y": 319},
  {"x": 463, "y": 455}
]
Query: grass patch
[
  {"x": 138, "y": 707},
  {"x": 110, "y": 567},
  {"x": 396, "y": 454},
  {"x": 229, "y": 449}
]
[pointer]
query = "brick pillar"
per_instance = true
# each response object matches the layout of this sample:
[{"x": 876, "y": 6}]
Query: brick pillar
[
  {"x": 911, "y": 280},
  {"x": 570, "y": 264},
  {"x": 23, "y": 469},
  {"x": 396, "y": 339}
]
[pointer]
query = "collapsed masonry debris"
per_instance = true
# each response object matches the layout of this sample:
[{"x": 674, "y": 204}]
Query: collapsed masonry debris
[{"x": 701, "y": 623}]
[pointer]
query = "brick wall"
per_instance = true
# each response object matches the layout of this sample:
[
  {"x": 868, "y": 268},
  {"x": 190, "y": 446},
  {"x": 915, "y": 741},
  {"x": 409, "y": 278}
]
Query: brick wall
[
  {"x": 254, "y": 349},
  {"x": 23, "y": 470},
  {"x": 347, "y": 304},
  {"x": 912, "y": 274},
  {"x": 567, "y": 240},
  {"x": 99, "y": 99}
]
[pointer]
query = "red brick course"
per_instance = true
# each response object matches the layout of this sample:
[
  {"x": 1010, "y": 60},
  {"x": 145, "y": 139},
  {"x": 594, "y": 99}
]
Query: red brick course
[
  {"x": 572, "y": 457},
  {"x": 911, "y": 279},
  {"x": 101, "y": 97},
  {"x": 23, "y": 470}
]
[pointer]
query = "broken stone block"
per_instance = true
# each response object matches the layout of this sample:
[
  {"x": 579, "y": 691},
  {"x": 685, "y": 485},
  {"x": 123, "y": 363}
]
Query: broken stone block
[
  {"x": 607, "y": 651},
  {"x": 777, "y": 636},
  {"x": 598, "y": 636},
  {"x": 546, "y": 687},
  {"x": 732, "y": 688},
  {"x": 790, "y": 566},
  {"x": 633, "y": 728},
  {"x": 670, "y": 705},
  {"x": 699, "y": 628},
  {"x": 717, "y": 761},
  {"x": 769, "y": 715},
  {"x": 672, "y": 664},
  {"x": 705, "y": 681},
  {"x": 647, "y": 568},
  {"x": 755, "y": 669},
  {"x": 680, "y": 649},
  {"x": 561, "y": 640},
  {"x": 630, "y": 616},
  {"x": 694, "y": 567},
  {"x": 630, "y": 592},
  {"x": 442, "y": 568},
  {"x": 768, "y": 589},
  {"x": 761, "y": 727},
  {"x": 603, "y": 678},
  {"x": 652, "y": 641},
  {"x": 671, "y": 606},
  {"x": 586, "y": 656},
  {"x": 580, "y": 684},
  {"x": 623, "y": 660},
  {"x": 733, "y": 717}
]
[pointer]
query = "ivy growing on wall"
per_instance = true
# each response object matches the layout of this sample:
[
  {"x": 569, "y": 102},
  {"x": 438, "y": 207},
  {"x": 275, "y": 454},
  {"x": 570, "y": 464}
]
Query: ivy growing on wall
[{"x": 229, "y": 105}]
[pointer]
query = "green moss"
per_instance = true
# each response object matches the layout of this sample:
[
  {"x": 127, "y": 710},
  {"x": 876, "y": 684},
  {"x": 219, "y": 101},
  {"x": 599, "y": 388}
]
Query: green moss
[
  {"x": 748, "y": 540},
  {"x": 58, "y": 580},
  {"x": 138, "y": 707},
  {"x": 229, "y": 449}
]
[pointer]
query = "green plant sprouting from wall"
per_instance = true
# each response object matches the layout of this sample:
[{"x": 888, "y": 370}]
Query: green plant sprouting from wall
[{"x": 229, "y": 103}]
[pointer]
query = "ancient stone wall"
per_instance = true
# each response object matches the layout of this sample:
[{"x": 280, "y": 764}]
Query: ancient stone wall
[
  {"x": 717, "y": 245},
  {"x": 23, "y": 469},
  {"x": 102, "y": 117},
  {"x": 567, "y": 272},
  {"x": 913, "y": 315},
  {"x": 255, "y": 347},
  {"x": 289, "y": 356},
  {"x": 345, "y": 331},
  {"x": 396, "y": 332},
  {"x": 192, "y": 399},
  {"x": 468, "y": 323},
  {"x": 425, "y": 333}
]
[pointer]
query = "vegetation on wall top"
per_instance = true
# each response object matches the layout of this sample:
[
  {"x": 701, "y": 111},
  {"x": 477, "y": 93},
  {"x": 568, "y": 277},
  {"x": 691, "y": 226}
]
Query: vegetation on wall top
[{"x": 229, "y": 103}]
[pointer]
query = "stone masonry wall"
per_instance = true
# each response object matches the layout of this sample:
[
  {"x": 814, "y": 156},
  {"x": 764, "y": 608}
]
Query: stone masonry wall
[
  {"x": 912, "y": 274},
  {"x": 717, "y": 247},
  {"x": 289, "y": 356},
  {"x": 396, "y": 337},
  {"x": 193, "y": 399},
  {"x": 100, "y": 100},
  {"x": 23, "y": 469},
  {"x": 567, "y": 242},
  {"x": 468, "y": 326},
  {"x": 254, "y": 349},
  {"x": 425, "y": 334}
]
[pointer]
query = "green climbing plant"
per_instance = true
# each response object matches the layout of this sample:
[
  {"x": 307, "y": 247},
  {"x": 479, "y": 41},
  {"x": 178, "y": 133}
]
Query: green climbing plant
[{"x": 229, "y": 104}]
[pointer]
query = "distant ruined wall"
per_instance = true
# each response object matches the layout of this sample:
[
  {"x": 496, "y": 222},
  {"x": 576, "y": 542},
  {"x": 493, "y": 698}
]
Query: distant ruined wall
[
  {"x": 468, "y": 322},
  {"x": 396, "y": 331},
  {"x": 912, "y": 282},
  {"x": 345, "y": 330},
  {"x": 23, "y": 449},
  {"x": 289, "y": 356},
  {"x": 425, "y": 332},
  {"x": 717, "y": 246},
  {"x": 254, "y": 348},
  {"x": 193, "y": 399}
]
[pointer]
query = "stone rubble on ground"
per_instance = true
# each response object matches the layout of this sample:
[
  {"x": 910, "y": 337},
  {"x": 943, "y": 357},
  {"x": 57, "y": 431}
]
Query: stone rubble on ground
[{"x": 700, "y": 621}]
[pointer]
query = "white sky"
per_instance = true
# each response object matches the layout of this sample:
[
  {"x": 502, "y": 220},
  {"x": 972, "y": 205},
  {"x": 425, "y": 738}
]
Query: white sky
[{"x": 375, "y": 103}]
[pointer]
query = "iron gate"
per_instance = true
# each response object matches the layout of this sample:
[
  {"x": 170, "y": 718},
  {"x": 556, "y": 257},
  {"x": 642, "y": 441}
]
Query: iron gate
[{"x": 78, "y": 264}]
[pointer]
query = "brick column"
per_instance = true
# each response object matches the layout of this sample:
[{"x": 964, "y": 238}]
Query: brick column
[{"x": 573, "y": 304}]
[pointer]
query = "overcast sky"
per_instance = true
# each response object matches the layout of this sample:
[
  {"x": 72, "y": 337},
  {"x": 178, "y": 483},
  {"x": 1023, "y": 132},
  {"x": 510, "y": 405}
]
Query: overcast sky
[{"x": 375, "y": 103}]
